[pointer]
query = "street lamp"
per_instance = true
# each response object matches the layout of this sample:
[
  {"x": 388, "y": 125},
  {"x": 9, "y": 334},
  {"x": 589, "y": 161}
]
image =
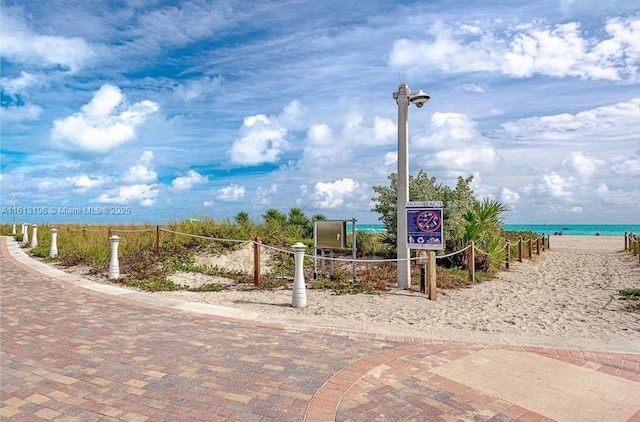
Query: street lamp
[{"x": 403, "y": 97}]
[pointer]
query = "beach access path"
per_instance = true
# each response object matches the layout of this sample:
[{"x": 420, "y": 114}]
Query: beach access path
[
  {"x": 72, "y": 350},
  {"x": 565, "y": 297}
]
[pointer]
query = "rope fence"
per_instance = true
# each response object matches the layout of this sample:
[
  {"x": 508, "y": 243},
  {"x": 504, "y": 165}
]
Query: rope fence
[{"x": 632, "y": 243}]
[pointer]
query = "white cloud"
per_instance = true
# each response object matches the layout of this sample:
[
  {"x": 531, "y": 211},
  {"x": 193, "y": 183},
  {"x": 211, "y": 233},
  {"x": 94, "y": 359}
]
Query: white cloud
[
  {"x": 585, "y": 167},
  {"x": 616, "y": 121},
  {"x": 629, "y": 199},
  {"x": 20, "y": 44},
  {"x": 444, "y": 52},
  {"x": 557, "y": 185},
  {"x": 181, "y": 25},
  {"x": 144, "y": 195},
  {"x": 558, "y": 51},
  {"x": 509, "y": 197},
  {"x": 20, "y": 84},
  {"x": 320, "y": 134},
  {"x": 384, "y": 130},
  {"x": 197, "y": 88},
  {"x": 100, "y": 126},
  {"x": 191, "y": 179},
  {"x": 140, "y": 172},
  {"x": 335, "y": 194},
  {"x": 48, "y": 185},
  {"x": 208, "y": 203},
  {"x": 292, "y": 116},
  {"x": 263, "y": 138},
  {"x": 231, "y": 193},
  {"x": 21, "y": 113},
  {"x": 452, "y": 141},
  {"x": 264, "y": 195},
  {"x": 464, "y": 158},
  {"x": 391, "y": 158},
  {"x": 82, "y": 183},
  {"x": 474, "y": 88},
  {"x": 447, "y": 129},
  {"x": 629, "y": 167},
  {"x": 262, "y": 141}
]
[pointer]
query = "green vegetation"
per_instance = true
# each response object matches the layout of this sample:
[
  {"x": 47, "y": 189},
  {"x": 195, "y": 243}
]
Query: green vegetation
[
  {"x": 144, "y": 266},
  {"x": 631, "y": 296},
  {"x": 466, "y": 219}
]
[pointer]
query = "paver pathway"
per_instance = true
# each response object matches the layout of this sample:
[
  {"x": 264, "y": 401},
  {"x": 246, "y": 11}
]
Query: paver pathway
[{"x": 72, "y": 354}]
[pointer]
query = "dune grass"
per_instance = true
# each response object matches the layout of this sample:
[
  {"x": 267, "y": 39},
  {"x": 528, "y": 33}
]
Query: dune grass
[
  {"x": 144, "y": 266},
  {"x": 631, "y": 296}
]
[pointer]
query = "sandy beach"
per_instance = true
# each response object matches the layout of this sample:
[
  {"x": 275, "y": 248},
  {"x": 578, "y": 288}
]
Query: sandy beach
[{"x": 566, "y": 297}]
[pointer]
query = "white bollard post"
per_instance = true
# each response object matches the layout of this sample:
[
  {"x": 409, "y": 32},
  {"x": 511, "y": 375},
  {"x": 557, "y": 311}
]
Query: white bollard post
[
  {"x": 13, "y": 230},
  {"x": 299, "y": 296},
  {"x": 53, "y": 252},
  {"x": 34, "y": 236},
  {"x": 25, "y": 233},
  {"x": 114, "y": 265}
]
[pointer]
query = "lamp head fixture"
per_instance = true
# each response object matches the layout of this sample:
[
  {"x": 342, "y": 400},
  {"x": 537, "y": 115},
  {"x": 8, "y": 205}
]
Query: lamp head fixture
[{"x": 419, "y": 98}]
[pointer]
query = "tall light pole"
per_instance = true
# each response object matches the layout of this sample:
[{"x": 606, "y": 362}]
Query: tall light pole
[{"x": 403, "y": 97}]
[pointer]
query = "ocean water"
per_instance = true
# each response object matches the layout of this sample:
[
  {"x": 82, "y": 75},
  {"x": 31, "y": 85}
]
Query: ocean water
[
  {"x": 577, "y": 229},
  {"x": 565, "y": 229}
]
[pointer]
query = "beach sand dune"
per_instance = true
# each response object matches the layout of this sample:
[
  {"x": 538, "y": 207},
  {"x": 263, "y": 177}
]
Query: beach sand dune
[{"x": 566, "y": 297}]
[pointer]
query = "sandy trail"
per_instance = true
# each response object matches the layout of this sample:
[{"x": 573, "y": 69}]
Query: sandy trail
[{"x": 565, "y": 297}]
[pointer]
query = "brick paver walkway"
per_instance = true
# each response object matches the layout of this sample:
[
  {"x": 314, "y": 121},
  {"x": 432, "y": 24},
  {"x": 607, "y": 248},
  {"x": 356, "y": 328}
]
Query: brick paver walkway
[{"x": 70, "y": 354}]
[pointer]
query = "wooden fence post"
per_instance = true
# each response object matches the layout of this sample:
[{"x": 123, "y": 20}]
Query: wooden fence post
[
  {"x": 548, "y": 242},
  {"x": 109, "y": 233},
  {"x": 432, "y": 275},
  {"x": 158, "y": 239},
  {"x": 538, "y": 245},
  {"x": 472, "y": 262},
  {"x": 530, "y": 246},
  {"x": 508, "y": 262},
  {"x": 626, "y": 238},
  {"x": 422, "y": 256},
  {"x": 520, "y": 250},
  {"x": 256, "y": 261},
  {"x": 84, "y": 232}
]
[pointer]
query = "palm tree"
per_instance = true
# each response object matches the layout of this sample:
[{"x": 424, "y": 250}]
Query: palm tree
[
  {"x": 319, "y": 217},
  {"x": 297, "y": 217},
  {"x": 274, "y": 215},
  {"x": 483, "y": 220},
  {"x": 242, "y": 218},
  {"x": 483, "y": 226}
]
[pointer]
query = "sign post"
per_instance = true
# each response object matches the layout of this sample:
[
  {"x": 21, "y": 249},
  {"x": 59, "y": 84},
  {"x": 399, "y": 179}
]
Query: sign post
[
  {"x": 425, "y": 233},
  {"x": 424, "y": 225}
]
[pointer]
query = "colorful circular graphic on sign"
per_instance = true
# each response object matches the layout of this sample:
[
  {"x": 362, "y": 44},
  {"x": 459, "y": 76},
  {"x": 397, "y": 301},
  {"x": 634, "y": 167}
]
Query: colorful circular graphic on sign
[{"x": 428, "y": 221}]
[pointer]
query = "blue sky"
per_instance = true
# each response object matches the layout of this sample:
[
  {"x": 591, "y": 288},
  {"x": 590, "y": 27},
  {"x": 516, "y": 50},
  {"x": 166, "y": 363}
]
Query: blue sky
[{"x": 179, "y": 109}]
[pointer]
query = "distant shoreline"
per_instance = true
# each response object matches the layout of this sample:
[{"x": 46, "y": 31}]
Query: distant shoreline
[{"x": 547, "y": 229}]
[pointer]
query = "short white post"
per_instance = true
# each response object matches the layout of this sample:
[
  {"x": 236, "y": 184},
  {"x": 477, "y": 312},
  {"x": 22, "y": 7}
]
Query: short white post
[
  {"x": 114, "y": 265},
  {"x": 53, "y": 251},
  {"x": 299, "y": 296},
  {"x": 13, "y": 230},
  {"x": 25, "y": 233},
  {"x": 34, "y": 236}
]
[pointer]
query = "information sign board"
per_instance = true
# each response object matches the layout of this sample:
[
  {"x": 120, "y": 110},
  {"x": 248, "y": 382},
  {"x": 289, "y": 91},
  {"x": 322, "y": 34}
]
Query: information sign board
[{"x": 424, "y": 225}]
